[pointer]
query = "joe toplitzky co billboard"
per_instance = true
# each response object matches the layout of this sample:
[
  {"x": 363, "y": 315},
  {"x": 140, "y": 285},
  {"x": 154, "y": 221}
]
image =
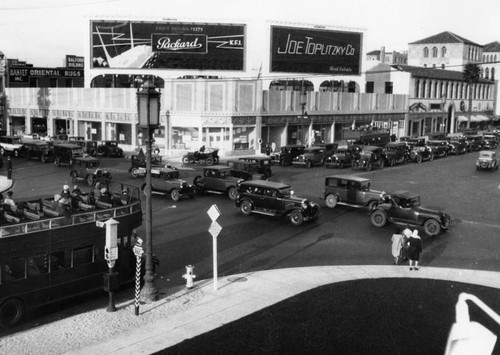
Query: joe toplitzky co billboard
[
  {"x": 167, "y": 45},
  {"x": 302, "y": 50}
]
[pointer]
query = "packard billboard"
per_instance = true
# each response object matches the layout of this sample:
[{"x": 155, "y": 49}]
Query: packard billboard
[
  {"x": 167, "y": 45},
  {"x": 301, "y": 50}
]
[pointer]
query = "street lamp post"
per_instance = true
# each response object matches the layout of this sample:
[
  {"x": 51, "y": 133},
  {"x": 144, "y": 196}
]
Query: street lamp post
[
  {"x": 303, "y": 103},
  {"x": 148, "y": 110}
]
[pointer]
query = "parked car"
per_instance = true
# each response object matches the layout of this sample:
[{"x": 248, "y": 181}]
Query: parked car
[
  {"x": 370, "y": 157},
  {"x": 396, "y": 153},
  {"x": 138, "y": 164},
  {"x": 286, "y": 154},
  {"x": 11, "y": 145},
  {"x": 109, "y": 149},
  {"x": 264, "y": 164},
  {"x": 489, "y": 142},
  {"x": 439, "y": 148},
  {"x": 66, "y": 153},
  {"x": 350, "y": 190},
  {"x": 39, "y": 150},
  {"x": 208, "y": 156},
  {"x": 167, "y": 181},
  {"x": 418, "y": 150},
  {"x": 487, "y": 160},
  {"x": 217, "y": 179},
  {"x": 341, "y": 158},
  {"x": 310, "y": 156},
  {"x": 275, "y": 199},
  {"x": 89, "y": 147},
  {"x": 459, "y": 146},
  {"x": 87, "y": 168},
  {"x": 476, "y": 142},
  {"x": 245, "y": 170},
  {"x": 403, "y": 208}
]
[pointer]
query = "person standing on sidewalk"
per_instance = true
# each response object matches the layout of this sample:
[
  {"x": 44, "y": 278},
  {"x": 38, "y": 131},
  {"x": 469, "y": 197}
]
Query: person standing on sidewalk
[
  {"x": 414, "y": 249},
  {"x": 397, "y": 240},
  {"x": 9, "y": 168}
]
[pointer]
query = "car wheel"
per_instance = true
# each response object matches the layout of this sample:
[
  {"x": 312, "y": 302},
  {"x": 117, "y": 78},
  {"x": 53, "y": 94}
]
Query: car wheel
[
  {"x": 175, "y": 195},
  {"x": 11, "y": 313},
  {"x": 419, "y": 158},
  {"x": 90, "y": 179},
  {"x": 378, "y": 218},
  {"x": 331, "y": 201},
  {"x": 185, "y": 160},
  {"x": 296, "y": 218},
  {"x": 232, "y": 193},
  {"x": 209, "y": 161},
  {"x": 135, "y": 173},
  {"x": 57, "y": 162},
  {"x": 432, "y": 227},
  {"x": 308, "y": 164},
  {"x": 246, "y": 208},
  {"x": 372, "y": 205},
  {"x": 74, "y": 176},
  {"x": 43, "y": 159}
]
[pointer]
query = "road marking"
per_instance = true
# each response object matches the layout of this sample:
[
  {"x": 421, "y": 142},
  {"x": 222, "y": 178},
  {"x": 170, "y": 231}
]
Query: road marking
[{"x": 482, "y": 224}]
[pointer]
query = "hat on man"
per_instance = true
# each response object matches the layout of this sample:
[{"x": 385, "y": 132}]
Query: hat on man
[
  {"x": 57, "y": 197},
  {"x": 65, "y": 187}
]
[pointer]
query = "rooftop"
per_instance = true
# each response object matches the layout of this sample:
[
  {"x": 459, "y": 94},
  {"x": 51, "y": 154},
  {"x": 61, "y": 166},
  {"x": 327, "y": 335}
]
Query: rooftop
[{"x": 444, "y": 37}]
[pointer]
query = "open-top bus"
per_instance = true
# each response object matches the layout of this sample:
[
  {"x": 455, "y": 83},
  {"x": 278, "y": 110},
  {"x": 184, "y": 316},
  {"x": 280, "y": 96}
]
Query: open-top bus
[{"x": 47, "y": 256}]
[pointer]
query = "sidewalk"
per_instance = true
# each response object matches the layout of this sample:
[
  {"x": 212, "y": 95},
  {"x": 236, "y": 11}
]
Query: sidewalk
[
  {"x": 183, "y": 314},
  {"x": 5, "y": 183}
]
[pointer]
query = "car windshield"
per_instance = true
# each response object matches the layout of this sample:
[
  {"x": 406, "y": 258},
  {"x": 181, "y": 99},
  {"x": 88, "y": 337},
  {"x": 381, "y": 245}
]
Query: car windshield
[
  {"x": 485, "y": 155},
  {"x": 112, "y": 144},
  {"x": 286, "y": 192},
  {"x": 407, "y": 202},
  {"x": 92, "y": 164}
]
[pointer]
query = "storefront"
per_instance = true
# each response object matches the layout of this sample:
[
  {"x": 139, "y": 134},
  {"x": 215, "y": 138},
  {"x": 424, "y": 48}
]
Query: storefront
[{"x": 244, "y": 133}]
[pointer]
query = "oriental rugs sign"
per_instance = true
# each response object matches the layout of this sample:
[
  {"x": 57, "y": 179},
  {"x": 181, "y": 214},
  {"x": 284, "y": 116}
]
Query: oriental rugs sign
[
  {"x": 167, "y": 45},
  {"x": 23, "y": 75}
]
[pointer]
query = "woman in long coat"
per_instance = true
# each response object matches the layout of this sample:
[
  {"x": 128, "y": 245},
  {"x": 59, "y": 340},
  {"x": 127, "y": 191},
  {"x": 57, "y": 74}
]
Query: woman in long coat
[{"x": 414, "y": 249}]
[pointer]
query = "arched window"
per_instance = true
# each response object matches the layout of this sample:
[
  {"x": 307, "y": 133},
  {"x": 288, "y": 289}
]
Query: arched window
[
  {"x": 493, "y": 73},
  {"x": 443, "y": 52},
  {"x": 487, "y": 73},
  {"x": 434, "y": 52},
  {"x": 426, "y": 52},
  {"x": 417, "y": 88}
]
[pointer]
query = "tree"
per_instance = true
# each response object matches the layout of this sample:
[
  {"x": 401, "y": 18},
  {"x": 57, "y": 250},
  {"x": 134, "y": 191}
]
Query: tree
[{"x": 471, "y": 74}]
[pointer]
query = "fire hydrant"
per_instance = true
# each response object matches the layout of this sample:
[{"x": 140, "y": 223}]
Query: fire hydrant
[{"x": 189, "y": 276}]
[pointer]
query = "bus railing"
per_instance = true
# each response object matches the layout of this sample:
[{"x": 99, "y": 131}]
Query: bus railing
[{"x": 11, "y": 230}]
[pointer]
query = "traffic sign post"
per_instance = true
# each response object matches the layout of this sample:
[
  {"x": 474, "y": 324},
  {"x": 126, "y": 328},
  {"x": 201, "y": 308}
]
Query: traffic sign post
[
  {"x": 214, "y": 229},
  {"x": 138, "y": 251}
]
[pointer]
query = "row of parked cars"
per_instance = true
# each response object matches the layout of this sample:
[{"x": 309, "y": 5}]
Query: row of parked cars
[{"x": 368, "y": 157}]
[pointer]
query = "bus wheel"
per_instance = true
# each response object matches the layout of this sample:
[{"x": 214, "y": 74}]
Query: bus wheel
[{"x": 11, "y": 313}]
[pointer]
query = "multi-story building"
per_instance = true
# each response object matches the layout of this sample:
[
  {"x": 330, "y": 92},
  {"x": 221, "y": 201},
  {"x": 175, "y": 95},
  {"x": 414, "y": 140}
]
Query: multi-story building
[{"x": 384, "y": 57}]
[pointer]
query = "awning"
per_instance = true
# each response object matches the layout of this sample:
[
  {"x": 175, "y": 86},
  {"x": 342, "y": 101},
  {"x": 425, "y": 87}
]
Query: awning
[
  {"x": 474, "y": 118},
  {"x": 462, "y": 119}
]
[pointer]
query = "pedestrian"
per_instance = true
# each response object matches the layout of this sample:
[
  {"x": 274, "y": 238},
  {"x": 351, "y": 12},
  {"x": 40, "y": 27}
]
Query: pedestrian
[
  {"x": 397, "y": 240},
  {"x": 414, "y": 249},
  {"x": 9, "y": 168}
]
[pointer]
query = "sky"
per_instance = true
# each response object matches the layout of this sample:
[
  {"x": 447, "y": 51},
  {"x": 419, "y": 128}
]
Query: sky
[{"x": 43, "y": 32}]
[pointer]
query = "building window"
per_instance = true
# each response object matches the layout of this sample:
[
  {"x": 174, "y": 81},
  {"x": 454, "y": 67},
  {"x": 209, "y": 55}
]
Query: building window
[
  {"x": 434, "y": 52},
  {"x": 388, "y": 87},
  {"x": 493, "y": 73},
  {"x": 443, "y": 52},
  {"x": 487, "y": 73},
  {"x": 442, "y": 66},
  {"x": 426, "y": 52},
  {"x": 417, "y": 88},
  {"x": 370, "y": 85}
]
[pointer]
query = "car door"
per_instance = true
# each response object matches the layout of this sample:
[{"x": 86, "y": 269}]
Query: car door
[
  {"x": 402, "y": 211},
  {"x": 158, "y": 180}
]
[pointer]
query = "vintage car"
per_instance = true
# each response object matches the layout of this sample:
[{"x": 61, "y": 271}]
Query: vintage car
[
  {"x": 66, "y": 153},
  {"x": 39, "y": 149},
  {"x": 459, "y": 146},
  {"x": 350, "y": 190},
  {"x": 286, "y": 154},
  {"x": 11, "y": 145},
  {"x": 418, "y": 151},
  {"x": 208, "y": 156},
  {"x": 138, "y": 164},
  {"x": 217, "y": 179},
  {"x": 341, "y": 158},
  {"x": 475, "y": 141},
  {"x": 245, "y": 170},
  {"x": 439, "y": 148},
  {"x": 369, "y": 158},
  {"x": 167, "y": 181},
  {"x": 310, "y": 156},
  {"x": 275, "y": 199},
  {"x": 87, "y": 168},
  {"x": 487, "y": 160},
  {"x": 403, "y": 208},
  {"x": 109, "y": 149},
  {"x": 489, "y": 141},
  {"x": 89, "y": 147},
  {"x": 396, "y": 153},
  {"x": 264, "y": 164}
]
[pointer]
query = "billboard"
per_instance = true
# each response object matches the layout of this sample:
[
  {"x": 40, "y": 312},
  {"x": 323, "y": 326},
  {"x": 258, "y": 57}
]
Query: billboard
[
  {"x": 302, "y": 50},
  {"x": 167, "y": 45},
  {"x": 23, "y": 74}
]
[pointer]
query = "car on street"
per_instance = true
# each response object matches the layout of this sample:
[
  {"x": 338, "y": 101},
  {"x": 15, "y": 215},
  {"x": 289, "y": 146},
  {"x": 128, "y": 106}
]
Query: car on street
[
  {"x": 403, "y": 208},
  {"x": 419, "y": 150},
  {"x": 66, "y": 153},
  {"x": 39, "y": 149},
  {"x": 490, "y": 142},
  {"x": 396, "y": 153},
  {"x": 475, "y": 141},
  {"x": 275, "y": 199},
  {"x": 87, "y": 168},
  {"x": 11, "y": 145},
  {"x": 138, "y": 164},
  {"x": 109, "y": 149},
  {"x": 286, "y": 154},
  {"x": 370, "y": 157},
  {"x": 264, "y": 164},
  {"x": 439, "y": 148},
  {"x": 487, "y": 160},
  {"x": 341, "y": 158},
  {"x": 245, "y": 170},
  {"x": 459, "y": 145},
  {"x": 350, "y": 190},
  {"x": 217, "y": 179},
  {"x": 310, "y": 156},
  {"x": 167, "y": 181}
]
